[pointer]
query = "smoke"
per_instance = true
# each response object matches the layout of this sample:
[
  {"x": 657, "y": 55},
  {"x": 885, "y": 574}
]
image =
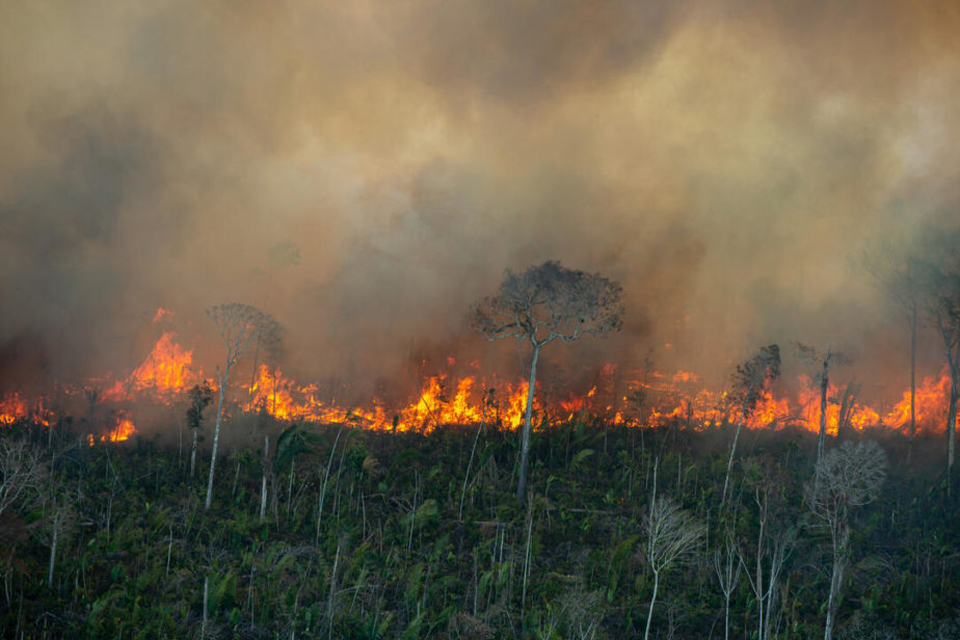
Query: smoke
[{"x": 728, "y": 163}]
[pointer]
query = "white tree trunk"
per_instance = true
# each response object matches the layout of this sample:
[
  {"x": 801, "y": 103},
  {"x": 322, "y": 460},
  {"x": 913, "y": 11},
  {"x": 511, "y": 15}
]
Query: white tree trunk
[
  {"x": 840, "y": 547},
  {"x": 53, "y": 547},
  {"x": 527, "y": 427},
  {"x": 263, "y": 486},
  {"x": 223, "y": 377},
  {"x": 733, "y": 451},
  {"x": 193, "y": 453},
  {"x": 913, "y": 383},
  {"x": 653, "y": 600},
  {"x": 824, "y": 386}
]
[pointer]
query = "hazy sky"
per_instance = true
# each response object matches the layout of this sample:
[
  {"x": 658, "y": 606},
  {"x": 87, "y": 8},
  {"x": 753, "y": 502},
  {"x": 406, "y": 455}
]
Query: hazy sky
[{"x": 728, "y": 162}]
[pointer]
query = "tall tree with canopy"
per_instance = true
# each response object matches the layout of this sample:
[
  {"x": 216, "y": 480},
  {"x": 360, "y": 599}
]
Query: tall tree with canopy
[
  {"x": 545, "y": 303},
  {"x": 239, "y": 325}
]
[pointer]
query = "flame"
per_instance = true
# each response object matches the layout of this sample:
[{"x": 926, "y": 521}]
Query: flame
[
  {"x": 123, "y": 430},
  {"x": 434, "y": 405},
  {"x": 165, "y": 371},
  {"x": 14, "y": 408},
  {"x": 443, "y": 399},
  {"x": 932, "y": 398}
]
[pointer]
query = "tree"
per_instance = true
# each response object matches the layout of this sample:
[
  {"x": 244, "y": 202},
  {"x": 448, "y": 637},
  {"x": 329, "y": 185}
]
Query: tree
[
  {"x": 749, "y": 381},
  {"x": 943, "y": 308},
  {"x": 901, "y": 278},
  {"x": 280, "y": 255},
  {"x": 775, "y": 541},
  {"x": 21, "y": 471},
  {"x": 671, "y": 534},
  {"x": 545, "y": 303},
  {"x": 199, "y": 397},
  {"x": 822, "y": 360},
  {"x": 849, "y": 476},
  {"x": 727, "y": 564},
  {"x": 238, "y": 325}
]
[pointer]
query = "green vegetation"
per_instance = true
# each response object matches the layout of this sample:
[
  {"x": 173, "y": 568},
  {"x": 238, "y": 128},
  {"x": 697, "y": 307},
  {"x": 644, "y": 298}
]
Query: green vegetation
[{"x": 362, "y": 538}]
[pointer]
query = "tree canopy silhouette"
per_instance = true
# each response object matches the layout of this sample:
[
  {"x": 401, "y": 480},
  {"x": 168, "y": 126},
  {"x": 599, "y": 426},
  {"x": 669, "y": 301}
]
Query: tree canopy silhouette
[{"x": 547, "y": 302}]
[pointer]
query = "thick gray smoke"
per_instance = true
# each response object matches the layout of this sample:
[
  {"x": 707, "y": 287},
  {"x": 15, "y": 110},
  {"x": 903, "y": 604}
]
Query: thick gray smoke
[{"x": 727, "y": 162}]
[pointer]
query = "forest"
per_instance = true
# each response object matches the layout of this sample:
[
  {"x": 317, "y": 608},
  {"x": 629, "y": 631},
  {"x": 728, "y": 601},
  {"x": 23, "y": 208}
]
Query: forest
[{"x": 340, "y": 532}]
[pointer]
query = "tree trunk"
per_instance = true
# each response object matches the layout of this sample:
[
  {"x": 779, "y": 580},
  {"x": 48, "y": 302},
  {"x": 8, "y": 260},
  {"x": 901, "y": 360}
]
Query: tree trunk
[
  {"x": 913, "y": 384},
  {"x": 222, "y": 377},
  {"x": 263, "y": 486},
  {"x": 824, "y": 386},
  {"x": 323, "y": 488},
  {"x": 53, "y": 547},
  {"x": 206, "y": 602},
  {"x": 952, "y": 349},
  {"x": 760, "y": 594},
  {"x": 653, "y": 600},
  {"x": 836, "y": 578},
  {"x": 726, "y": 615},
  {"x": 525, "y": 437},
  {"x": 733, "y": 451},
  {"x": 952, "y": 417},
  {"x": 193, "y": 454}
]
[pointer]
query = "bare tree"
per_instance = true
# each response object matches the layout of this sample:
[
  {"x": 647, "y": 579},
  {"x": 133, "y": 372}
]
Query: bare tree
[
  {"x": 238, "y": 325},
  {"x": 901, "y": 278},
  {"x": 546, "y": 303},
  {"x": 849, "y": 476},
  {"x": 727, "y": 564},
  {"x": 823, "y": 360},
  {"x": 280, "y": 255},
  {"x": 749, "y": 381},
  {"x": 21, "y": 471},
  {"x": 943, "y": 307},
  {"x": 670, "y": 535}
]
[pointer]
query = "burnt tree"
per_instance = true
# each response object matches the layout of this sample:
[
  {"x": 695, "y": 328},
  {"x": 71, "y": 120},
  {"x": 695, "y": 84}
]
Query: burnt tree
[
  {"x": 749, "y": 381},
  {"x": 941, "y": 302},
  {"x": 823, "y": 360},
  {"x": 901, "y": 278},
  {"x": 239, "y": 325},
  {"x": 945, "y": 313},
  {"x": 545, "y": 303}
]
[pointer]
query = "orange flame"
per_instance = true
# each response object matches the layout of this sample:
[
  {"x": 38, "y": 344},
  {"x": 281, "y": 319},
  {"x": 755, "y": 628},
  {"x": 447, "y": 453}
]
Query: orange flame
[
  {"x": 14, "y": 408},
  {"x": 444, "y": 399},
  {"x": 124, "y": 429},
  {"x": 165, "y": 371}
]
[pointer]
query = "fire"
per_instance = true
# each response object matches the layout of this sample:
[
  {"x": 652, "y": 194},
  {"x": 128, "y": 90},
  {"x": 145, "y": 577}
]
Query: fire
[
  {"x": 165, "y": 371},
  {"x": 434, "y": 404},
  {"x": 14, "y": 408},
  {"x": 932, "y": 397},
  {"x": 123, "y": 430},
  {"x": 283, "y": 399},
  {"x": 620, "y": 397}
]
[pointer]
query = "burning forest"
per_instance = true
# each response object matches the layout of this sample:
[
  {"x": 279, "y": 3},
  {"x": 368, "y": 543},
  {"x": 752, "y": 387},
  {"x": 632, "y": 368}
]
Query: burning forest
[
  {"x": 476, "y": 319},
  {"x": 614, "y": 396}
]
